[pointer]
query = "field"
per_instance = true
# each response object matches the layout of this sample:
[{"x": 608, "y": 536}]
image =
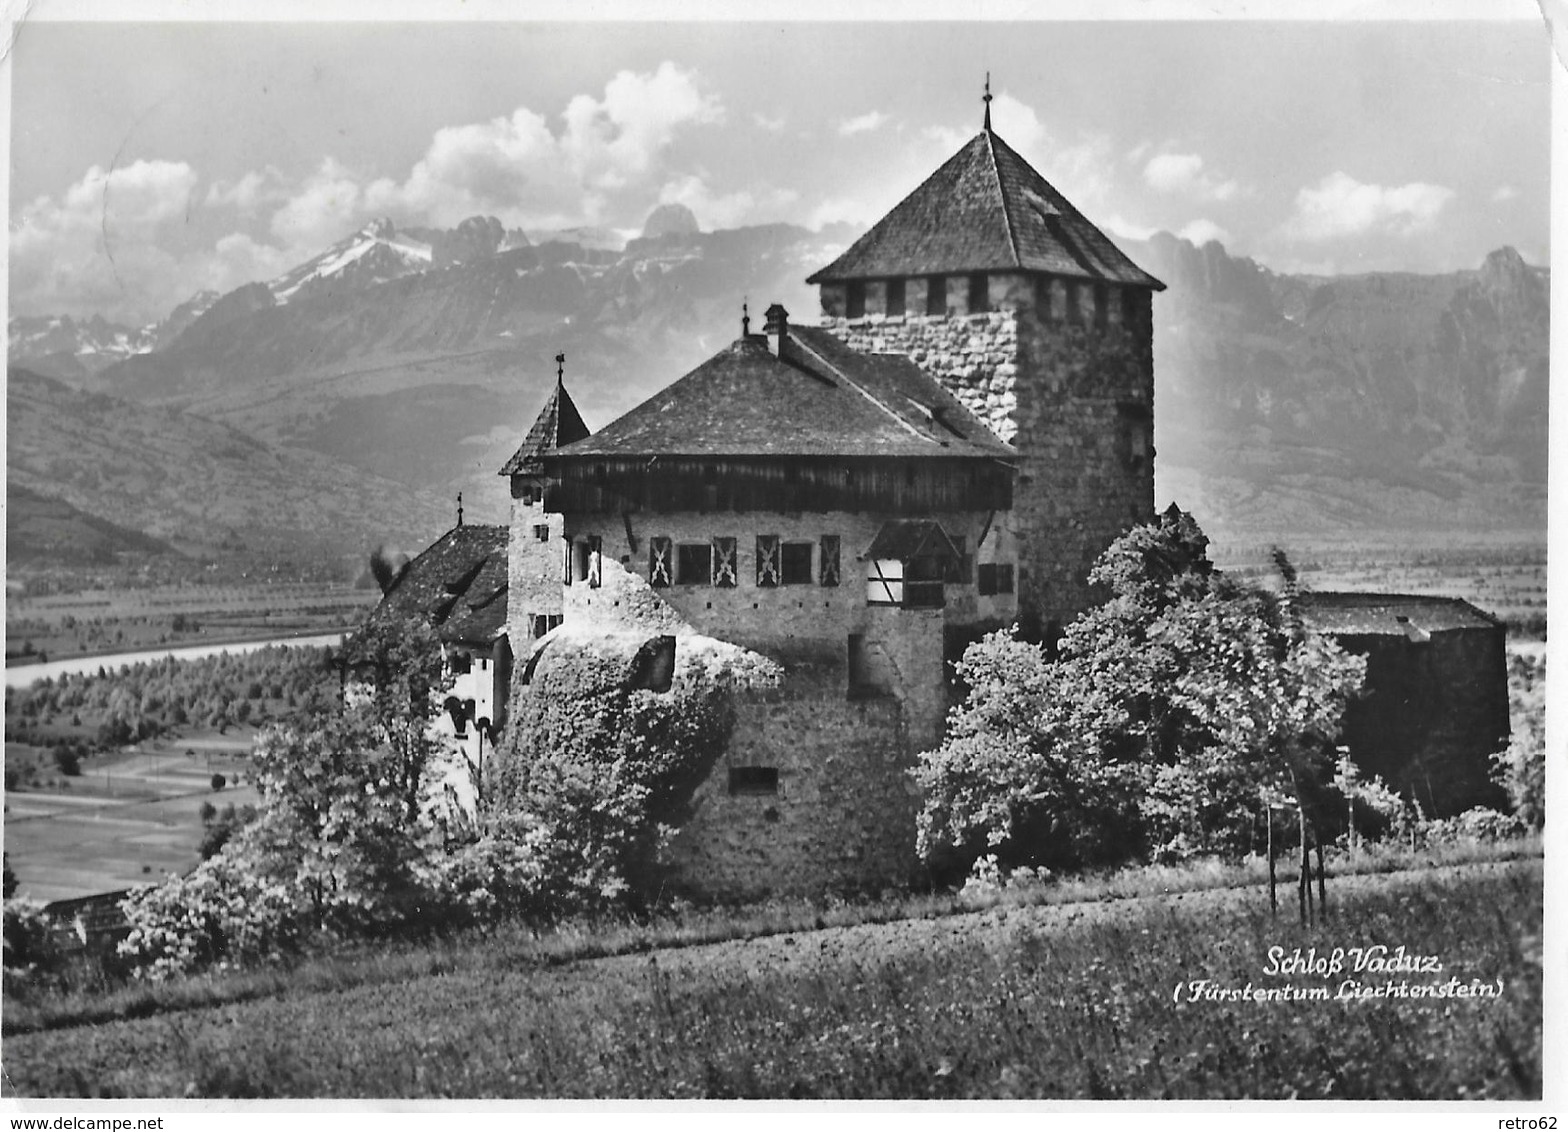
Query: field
[
  {"x": 128, "y": 819},
  {"x": 90, "y": 622},
  {"x": 1505, "y": 578},
  {"x": 1091, "y": 1000}
]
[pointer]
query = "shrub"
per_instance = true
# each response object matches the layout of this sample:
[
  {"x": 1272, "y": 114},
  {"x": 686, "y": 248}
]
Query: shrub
[
  {"x": 68, "y": 761},
  {"x": 219, "y": 782}
]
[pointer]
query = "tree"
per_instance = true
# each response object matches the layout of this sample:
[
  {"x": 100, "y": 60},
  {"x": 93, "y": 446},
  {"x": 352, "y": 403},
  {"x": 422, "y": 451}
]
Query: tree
[
  {"x": 401, "y": 680},
  {"x": 1169, "y": 715}
]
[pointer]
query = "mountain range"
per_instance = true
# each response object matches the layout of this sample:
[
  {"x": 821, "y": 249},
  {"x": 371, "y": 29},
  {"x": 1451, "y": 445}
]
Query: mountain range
[{"x": 399, "y": 366}]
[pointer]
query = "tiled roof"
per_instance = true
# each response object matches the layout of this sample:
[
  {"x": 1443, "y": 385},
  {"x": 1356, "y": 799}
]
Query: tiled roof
[
  {"x": 558, "y": 423},
  {"x": 458, "y": 585},
  {"x": 986, "y": 209},
  {"x": 1365, "y": 614},
  {"x": 821, "y": 399}
]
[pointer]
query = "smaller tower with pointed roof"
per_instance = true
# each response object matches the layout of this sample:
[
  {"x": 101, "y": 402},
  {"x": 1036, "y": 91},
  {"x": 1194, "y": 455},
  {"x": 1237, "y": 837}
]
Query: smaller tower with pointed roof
[
  {"x": 989, "y": 279},
  {"x": 536, "y": 546}
]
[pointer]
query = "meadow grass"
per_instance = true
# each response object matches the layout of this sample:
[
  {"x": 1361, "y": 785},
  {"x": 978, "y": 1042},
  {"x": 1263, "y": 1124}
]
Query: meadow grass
[
  {"x": 1047, "y": 1000},
  {"x": 85, "y": 993}
]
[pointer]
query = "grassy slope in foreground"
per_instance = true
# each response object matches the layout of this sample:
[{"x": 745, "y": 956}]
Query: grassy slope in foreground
[{"x": 1053, "y": 1001}]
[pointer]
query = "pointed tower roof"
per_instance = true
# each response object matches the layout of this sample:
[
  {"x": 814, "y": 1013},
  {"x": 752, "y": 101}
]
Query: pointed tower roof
[
  {"x": 985, "y": 209},
  {"x": 558, "y": 423}
]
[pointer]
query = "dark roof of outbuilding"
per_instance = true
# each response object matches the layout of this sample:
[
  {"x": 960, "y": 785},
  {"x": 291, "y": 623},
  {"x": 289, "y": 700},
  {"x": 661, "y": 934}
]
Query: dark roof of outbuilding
[
  {"x": 821, "y": 399},
  {"x": 558, "y": 423},
  {"x": 986, "y": 209},
  {"x": 457, "y": 584},
  {"x": 1368, "y": 614}
]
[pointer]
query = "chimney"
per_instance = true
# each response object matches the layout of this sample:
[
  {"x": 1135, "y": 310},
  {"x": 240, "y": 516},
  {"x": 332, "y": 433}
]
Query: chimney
[{"x": 776, "y": 328}]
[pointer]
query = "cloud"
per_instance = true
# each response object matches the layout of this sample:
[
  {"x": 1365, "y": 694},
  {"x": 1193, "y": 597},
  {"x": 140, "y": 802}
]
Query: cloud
[
  {"x": 95, "y": 247},
  {"x": 1202, "y": 230},
  {"x": 1504, "y": 193},
  {"x": 864, "y": 123},
  {"x": 1340, "y": 206},
  {"x": 723, "y": 210},
  {"x": 518, "y": 168},
  {"x": 764, "y": 122},
  {"x": 1183, "y": 174},
  {"x": 252, "y": 192}
]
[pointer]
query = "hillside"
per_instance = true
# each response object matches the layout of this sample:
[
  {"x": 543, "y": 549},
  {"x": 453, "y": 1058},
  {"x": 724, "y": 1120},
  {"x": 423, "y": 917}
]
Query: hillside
[
  {"x": 169, "y": 480},
  {"x": 1284, "y": 404}
]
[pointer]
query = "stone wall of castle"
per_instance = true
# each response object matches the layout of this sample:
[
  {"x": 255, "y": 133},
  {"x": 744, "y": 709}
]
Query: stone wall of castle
[
  {"x": 533, "y": 565},
  {"x": 1066, "y": 375}
]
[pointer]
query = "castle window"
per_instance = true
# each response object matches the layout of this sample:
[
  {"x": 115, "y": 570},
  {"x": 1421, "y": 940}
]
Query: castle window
[
  {"x": 979, "y": 293},
  {"x": 1101, "y": 307},
  {"x": 884, "y": 581},
  {"x": 829, "y": 570},
  {"x": 724, "y": 563},
  {"x": 923, "y": 578},
  {"x": 595, "y": 560},
  {"x": 660, "y": 564},
  {"x": 694, "y": 564},
  {"x": 855, "y": 300},
  {"x": 754, "y": 781},
  {"x": 767, "y": 560},
  {"x": 996, "y": 578},
  {"x": 582, "y": 560},
  {"x": 542, "y": 532},
  {"x": 1074, "y": 302},
  {"x": 566, "y": 560},
  {"x": 895, "y": 297},
  {"x": 1129, "y": 307},
  {"x": 526, "y": 495},
  {"x": 544, "y": 622},
  {"x": 795, "y": 563},
  {"x": 1042, "y": 297},
  {"x": 936, "y": 295}
]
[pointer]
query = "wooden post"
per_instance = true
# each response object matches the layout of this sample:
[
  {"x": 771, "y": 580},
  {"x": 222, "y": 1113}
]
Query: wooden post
[
  {"x": 1322, "y": 884},
  {"x": 1273, "y": 895},
  {"x": 1304, "y": 873}
]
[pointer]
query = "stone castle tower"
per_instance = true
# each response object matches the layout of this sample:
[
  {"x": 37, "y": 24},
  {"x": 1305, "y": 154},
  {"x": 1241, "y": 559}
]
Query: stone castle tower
[
  {"x": 534, "y": 543},
  {"x": 992, "y": 282}
]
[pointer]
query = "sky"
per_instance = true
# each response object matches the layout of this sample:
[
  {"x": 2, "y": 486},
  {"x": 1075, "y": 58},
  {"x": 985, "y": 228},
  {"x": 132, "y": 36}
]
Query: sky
[{"x": 151, "y": 160}]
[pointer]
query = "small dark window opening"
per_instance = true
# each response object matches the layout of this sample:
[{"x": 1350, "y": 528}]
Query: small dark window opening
[
  {"x": 754, "y": 780},
  {"x": 936, "y": 295},
  {"x": 1129, "y": 308},
  {"x": 694, "y": 564},
  {"x": 895, "y": 297},
  {"x": 855, "y": 300},
  {"x": 796, "y": 564},
  {"x": 996, "y": 578},
  {"x": 1074, "y": 299},
  {"x": 979, "y": 293},
  {"x": 542, "y": 532},
  {"x": 923, "y": 583},
  {"x": 1042, "y": 297},
  {"x": 461, "y": 663},
  {"x": 527, "y": 496},
  {"x": 1102, "y": 307},
  {"x": 582, "y": 550}
]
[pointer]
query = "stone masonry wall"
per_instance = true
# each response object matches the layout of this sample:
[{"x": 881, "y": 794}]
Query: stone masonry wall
[
  {"x": 1075, "y": 396},
  {"x": 843, "y": 816},
  {"x": 533, "y": 570}
]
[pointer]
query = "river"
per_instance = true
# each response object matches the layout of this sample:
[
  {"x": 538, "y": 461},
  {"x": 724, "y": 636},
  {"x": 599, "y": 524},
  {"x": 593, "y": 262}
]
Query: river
[{"x": 24, "y": 675}]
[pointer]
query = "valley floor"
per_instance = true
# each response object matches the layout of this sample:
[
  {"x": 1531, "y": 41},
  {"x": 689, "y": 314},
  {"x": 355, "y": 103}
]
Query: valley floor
[{"x": 1150, "y": 997}]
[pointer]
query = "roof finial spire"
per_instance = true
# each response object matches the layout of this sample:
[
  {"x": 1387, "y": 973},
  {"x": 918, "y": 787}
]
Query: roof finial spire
[
  {"x": 987, "y": 101},
  {"x": 460, "y": 508},
  {"x": 560, "y": 368},
  {"x": 745, "y": 318}
]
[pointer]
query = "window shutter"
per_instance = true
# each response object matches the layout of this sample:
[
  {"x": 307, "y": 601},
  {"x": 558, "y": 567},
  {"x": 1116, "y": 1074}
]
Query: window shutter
[
  {"x": 830, "y": 563},
  {"x": 724, "y": 563},
  {"x": 595, "y": 557},
  {"x": 767, "y": 560},
  {"x": 659, "y": 562}
]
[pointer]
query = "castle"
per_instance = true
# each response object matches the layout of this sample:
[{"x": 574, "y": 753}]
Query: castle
[
  {"x": 968, "y": 426},
  {"x": 947, "y": 452}
]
